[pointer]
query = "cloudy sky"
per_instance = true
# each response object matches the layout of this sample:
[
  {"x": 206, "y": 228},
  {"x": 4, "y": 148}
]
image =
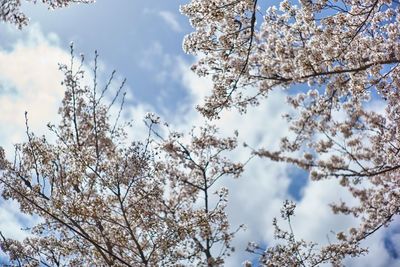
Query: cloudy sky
[{"x": 142, "y": 41}]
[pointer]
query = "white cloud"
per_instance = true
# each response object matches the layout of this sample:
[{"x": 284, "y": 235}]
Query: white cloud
[
  {"x": 167, "y": 16},
  {"x": 170, "y": 18},
  {"x": 31, "y": 70},
  {"x": 150, "y": 55},
  {"x": 9, "y": 223},
  {"x": 378, "y": 255}
]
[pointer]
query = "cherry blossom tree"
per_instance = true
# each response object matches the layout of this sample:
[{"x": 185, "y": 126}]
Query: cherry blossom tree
[
  {"x": 10, "y": 10},
  {"x": 101, "y": 199},
  {"x": 342, "y": 53}
]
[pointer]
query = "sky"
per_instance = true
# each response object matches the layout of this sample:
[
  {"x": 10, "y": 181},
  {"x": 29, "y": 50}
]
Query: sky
[{"x": 142, "y": 40}]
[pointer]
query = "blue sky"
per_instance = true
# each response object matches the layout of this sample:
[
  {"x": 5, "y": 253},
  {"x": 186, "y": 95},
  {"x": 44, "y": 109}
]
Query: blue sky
[{"x": 142, "y": 41}]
